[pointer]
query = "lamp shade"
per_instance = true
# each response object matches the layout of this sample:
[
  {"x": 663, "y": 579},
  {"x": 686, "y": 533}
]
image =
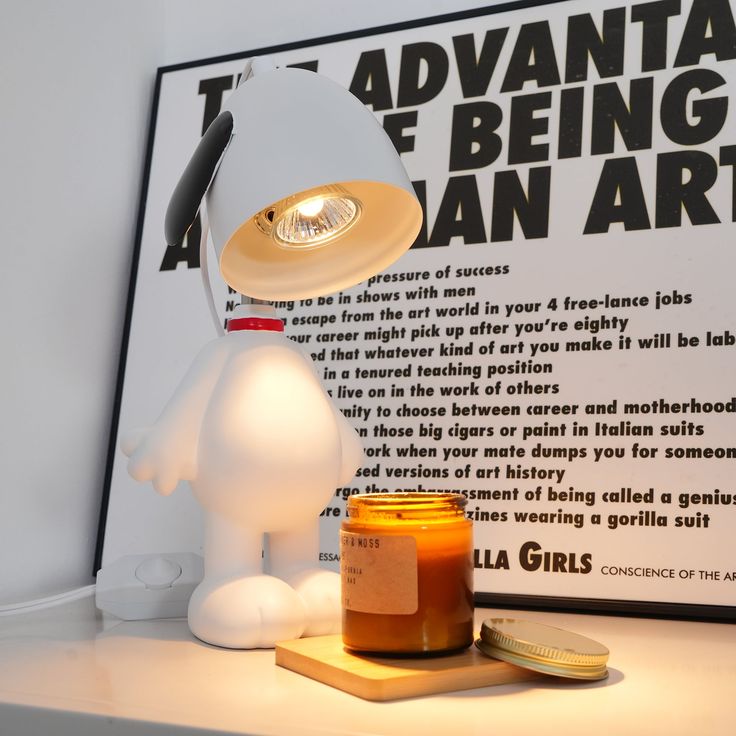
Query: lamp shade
[{"x": 297, "y": 135}]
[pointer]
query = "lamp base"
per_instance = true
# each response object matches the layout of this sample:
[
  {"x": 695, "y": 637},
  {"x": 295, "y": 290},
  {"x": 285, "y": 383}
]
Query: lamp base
[
  {"x": 320, "y": 591},
  {"x": 255, "y": 612},
  {"x": 246, "y": 613},
  {"x": 263, "y": 448}
]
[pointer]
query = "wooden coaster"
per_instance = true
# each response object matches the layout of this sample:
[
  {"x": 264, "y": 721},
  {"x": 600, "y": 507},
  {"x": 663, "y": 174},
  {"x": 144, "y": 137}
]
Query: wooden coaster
[{"x": 325, "y": 659}]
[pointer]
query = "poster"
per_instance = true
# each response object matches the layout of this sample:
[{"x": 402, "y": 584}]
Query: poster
[{"x": 558, "y": 345}]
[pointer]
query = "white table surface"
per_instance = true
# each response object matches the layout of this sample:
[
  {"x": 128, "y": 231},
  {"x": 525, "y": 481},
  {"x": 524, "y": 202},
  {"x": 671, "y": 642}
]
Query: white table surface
[{"x": 69, "y": 670}]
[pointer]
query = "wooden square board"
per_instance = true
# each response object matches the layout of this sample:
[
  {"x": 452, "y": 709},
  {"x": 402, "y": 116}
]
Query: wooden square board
[{"x": 325, "y": 659}]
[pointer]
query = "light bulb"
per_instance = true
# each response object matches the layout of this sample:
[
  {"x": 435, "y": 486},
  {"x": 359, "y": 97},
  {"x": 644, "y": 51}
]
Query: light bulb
[
  {"x": 311, "y": 218},
  {"x": 312, "y": 207}
]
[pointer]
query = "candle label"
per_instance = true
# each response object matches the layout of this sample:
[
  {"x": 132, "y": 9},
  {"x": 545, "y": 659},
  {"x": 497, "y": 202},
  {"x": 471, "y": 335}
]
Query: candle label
[{"x": 379, "y": 573}]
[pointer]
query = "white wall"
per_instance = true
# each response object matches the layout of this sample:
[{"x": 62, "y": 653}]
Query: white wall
[
  {"x": 75, "y": 85},
  {"x": 197, "y": 30},
  {"x": 76, "y": 79}
]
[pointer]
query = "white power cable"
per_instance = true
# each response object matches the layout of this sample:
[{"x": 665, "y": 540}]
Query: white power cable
[{"x": 39, "y": 604}]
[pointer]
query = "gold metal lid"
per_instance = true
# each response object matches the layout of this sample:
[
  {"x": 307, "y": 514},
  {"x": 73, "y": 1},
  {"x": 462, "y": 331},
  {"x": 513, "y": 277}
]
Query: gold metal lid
[{"x": 543, "y": 648}]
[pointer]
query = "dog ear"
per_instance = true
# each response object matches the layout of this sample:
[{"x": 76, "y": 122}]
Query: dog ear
[{"x": 194, "y": 182}]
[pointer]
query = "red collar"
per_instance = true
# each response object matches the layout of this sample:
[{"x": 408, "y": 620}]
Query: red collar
[{"x": 255, "y": 323}]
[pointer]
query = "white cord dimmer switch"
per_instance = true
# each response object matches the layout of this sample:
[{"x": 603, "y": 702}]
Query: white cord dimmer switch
[
  {"x": 138, "y": 587},
  {"x": 157, "y": 573}
]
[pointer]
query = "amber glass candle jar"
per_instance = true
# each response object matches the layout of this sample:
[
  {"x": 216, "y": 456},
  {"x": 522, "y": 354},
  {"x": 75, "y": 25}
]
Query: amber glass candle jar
[{"x": 407, "y": 573}]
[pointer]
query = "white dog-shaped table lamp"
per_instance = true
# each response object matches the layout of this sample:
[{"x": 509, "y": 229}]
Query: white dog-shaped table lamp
[{"x": 306, "y": 196}]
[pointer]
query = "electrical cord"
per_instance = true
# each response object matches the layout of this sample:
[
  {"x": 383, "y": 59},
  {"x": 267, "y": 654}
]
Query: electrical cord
[{"x": 39, "y": 604}]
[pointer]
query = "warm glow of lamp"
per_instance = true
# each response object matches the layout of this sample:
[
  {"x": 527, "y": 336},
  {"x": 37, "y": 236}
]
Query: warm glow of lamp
[
  {"x": 303, "y": 201},
  {"x": 310, "y": 219},
  {"x": 313, "y": 207}
]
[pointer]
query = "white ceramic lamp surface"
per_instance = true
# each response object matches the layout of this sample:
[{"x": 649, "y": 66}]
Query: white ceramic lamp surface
[
  {"x": 308, "y": 133},
  {"x": 308, "y": 197}
]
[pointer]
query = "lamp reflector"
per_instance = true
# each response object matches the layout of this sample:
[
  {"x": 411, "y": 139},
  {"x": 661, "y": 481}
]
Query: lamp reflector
[
  {"x": 310, "y": 219},
  {"x": 316, "y": 222}
]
